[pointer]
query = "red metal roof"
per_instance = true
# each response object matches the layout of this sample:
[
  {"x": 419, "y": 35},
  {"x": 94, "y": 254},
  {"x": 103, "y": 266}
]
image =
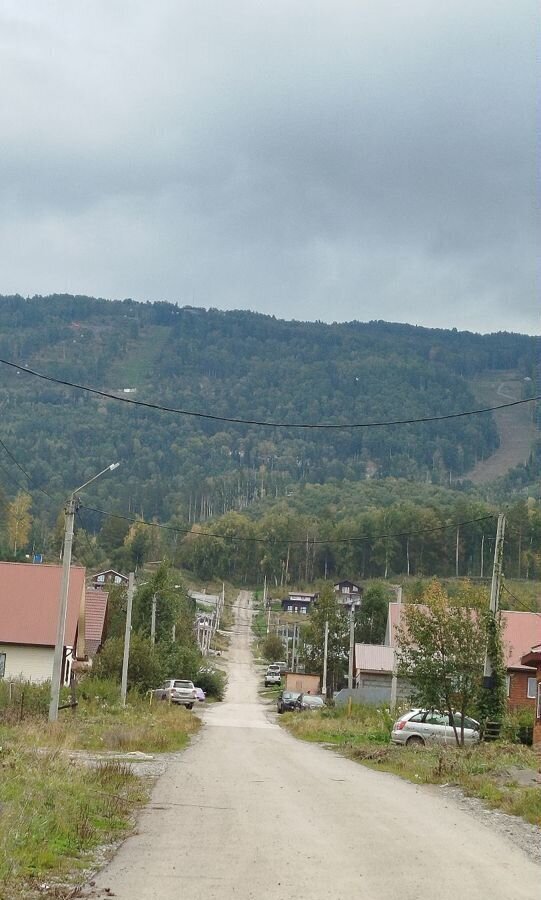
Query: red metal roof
[
  {"x": 29, "y": 601},
  {"x": 521, "y": 631},
  {"x": 96, "y": 608}
]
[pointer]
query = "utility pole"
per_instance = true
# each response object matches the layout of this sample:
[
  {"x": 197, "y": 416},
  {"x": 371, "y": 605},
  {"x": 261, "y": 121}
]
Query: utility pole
[
  {"x": 294, "y": 649},
  {"x": 70, "y": 509},
  {"x": 482, "y": 555},
  {"x": 153, "y": 620},
  {"x": 127, "y": 637},
  {"x": 394, "y": 679},
  {"x": 456, "y": 551},
  {"x": 325, "y": 651},
  {"x": 351, "y": 645},
  {"x": 71, "y": 506},
  {"x": 495, "y": 588}
]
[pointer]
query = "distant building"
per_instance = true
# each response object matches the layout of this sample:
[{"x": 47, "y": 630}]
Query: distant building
[
  {"x": 110, "y": 576},
  {"x": 348, "y": 593},
  {"x": 299, "y": 602}
]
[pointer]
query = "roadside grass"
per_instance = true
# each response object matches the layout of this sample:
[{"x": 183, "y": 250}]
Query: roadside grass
[
  {"x": 54, "y": 813},
  {"x": 490, "y": 772},
  {"x": 97, "y": 725},
  {"x": 55, "y": 810}
]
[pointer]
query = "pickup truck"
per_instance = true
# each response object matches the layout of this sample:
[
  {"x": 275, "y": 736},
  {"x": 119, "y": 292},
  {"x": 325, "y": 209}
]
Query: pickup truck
[
  {"x": 273, "y": 676},
  {"x": 177, "y": 691}
]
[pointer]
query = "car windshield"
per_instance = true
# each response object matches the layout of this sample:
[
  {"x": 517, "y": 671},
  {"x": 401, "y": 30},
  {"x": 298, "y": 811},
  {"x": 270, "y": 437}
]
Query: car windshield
[
  {"x": 314, "y": 701},
  {"x": 290, "y": 695},
  {"x": 183, "y": 684}
]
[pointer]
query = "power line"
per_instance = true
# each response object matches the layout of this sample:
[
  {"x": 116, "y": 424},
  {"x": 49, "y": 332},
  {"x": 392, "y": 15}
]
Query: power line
[
  {"x": 288, "y": 540},
  {"x": 265, "y": 424},
  {"x": 23, "y": 470},
  {"x": 519, "y": 602}
]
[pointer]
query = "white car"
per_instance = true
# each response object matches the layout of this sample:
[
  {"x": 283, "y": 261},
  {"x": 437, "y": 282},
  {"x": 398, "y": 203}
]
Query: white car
[
  {"x": 178, "y": 691},
  {"x": 428, "y": 726},
  {"x": 273, "y": 675}
]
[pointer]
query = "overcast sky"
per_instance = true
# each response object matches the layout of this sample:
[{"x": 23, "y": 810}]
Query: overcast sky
[{"x": 313, "y": 159}]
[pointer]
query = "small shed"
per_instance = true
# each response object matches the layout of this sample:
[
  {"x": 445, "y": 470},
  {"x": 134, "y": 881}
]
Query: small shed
[{"x": 302, "y": 682}]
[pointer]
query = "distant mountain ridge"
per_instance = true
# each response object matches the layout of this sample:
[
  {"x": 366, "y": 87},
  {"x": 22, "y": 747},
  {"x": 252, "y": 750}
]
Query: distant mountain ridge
[{"x": 236, "y": 364}]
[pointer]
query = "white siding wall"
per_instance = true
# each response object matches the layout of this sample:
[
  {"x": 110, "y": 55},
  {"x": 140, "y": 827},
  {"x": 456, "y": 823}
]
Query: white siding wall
[{"x": 31, "y": 663}]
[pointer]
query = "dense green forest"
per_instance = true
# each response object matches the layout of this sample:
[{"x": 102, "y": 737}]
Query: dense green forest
[{"x": 185, "y": 470}]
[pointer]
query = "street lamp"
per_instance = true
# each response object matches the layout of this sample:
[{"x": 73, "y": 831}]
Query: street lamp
[{"x": 70, "y": 509}]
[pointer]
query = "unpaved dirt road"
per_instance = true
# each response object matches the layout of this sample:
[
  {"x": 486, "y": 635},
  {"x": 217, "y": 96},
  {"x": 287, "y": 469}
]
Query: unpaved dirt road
[{"x": 250, "y": 812}]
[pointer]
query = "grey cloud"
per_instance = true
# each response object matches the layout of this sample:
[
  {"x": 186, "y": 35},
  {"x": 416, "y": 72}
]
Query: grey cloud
[{"x": 312, "y": 160}]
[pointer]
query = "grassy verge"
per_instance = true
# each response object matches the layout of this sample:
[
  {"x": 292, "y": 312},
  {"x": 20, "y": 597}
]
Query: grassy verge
[
  {"x": 99, "y": 726},
  {"x": 55, "y": 812},
  {"x": 490, "y": 772}
]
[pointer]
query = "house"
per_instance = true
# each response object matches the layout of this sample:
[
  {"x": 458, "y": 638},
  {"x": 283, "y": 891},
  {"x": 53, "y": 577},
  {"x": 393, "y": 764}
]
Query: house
[
  {"x": 520, "y": 630},
  {"x": 109, "y": 577},
  {"x": 532, "y": 659},
  {"x": 348, "y": 593},
  {"x": 29, "y": 606},
  {"x": 298, "y": 602}
]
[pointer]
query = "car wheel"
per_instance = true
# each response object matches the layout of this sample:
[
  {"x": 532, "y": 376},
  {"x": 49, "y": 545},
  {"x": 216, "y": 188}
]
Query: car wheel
[
  {"x": 189, "y": 706},
  {"x": 415, "y": 741}
]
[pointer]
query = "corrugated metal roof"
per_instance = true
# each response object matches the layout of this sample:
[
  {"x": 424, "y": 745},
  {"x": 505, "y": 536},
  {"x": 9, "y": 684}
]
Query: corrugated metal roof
[
  {"x": 95, "y": 611},
  {"x": 521, "y": 631},
  {"x": 29, "y": 602},
  {"x": 374, "y": 658}
]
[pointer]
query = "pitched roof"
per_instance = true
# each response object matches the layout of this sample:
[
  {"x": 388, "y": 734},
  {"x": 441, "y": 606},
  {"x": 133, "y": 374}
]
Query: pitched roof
[
  {"x": 95, "y": 611},
  {"x": 29, "y": 603},
  {"x": 374, "y": 658},
  {"x": 520, "y": 631}
]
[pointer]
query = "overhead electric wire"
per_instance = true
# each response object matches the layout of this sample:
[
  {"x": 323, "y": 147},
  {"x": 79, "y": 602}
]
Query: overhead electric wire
[
  {"x": 521, "y": 606},
  {"x": 23, "y": 470},
  {"x": 286, "y": 540},
  {"x": 265, "y": 424}
]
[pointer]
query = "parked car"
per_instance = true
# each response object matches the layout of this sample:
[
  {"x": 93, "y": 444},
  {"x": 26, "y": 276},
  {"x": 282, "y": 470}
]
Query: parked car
[
  {"x": 428, "y": 726},
  {"x": 282, "y": 664},
  {"x": 177, "y": 691},
  {"x": 309, "y": 702},
  {"x": 201, "y": 696},
  {"x": 272, "y": 675},
  {"x": 286, "y": 700}
]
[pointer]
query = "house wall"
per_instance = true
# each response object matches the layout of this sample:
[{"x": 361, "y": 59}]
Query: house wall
[
  {"x": 374, "y": 688},
  {"x": 296, "y": 681},
  {"x": 518, "y": 691},
  {"x": 30, "y": 663}
]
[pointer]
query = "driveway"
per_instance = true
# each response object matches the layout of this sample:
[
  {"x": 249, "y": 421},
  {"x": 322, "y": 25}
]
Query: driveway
[{"x": 250, "y": 812}]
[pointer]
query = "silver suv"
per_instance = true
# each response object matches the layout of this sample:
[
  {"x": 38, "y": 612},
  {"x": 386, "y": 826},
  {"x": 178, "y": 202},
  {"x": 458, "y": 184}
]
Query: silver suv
[
  {"x": 177, "y": 691},
  {"x": 428, "y": 726}
]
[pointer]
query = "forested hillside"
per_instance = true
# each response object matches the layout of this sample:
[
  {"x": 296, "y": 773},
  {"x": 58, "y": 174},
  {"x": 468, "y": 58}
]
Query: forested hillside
[{"x": 234, "y": 364}]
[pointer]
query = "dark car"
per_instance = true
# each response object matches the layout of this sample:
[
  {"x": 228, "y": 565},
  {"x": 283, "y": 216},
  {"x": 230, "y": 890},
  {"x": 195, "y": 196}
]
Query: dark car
[
  {"x": 309, "y": 701},
  {"x": 286, "y": 700}
]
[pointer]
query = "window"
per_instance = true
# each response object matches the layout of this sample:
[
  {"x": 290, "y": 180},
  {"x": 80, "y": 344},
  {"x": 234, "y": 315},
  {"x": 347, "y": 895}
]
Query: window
[
  {"x": 507, "y": 685},
  {"x": 436, "y": 718},
  {"x": 532, "y": 688},
  {"x": 118, "y": 579},
  {"x": 419, "y": 717},
  {"x": 100, "y": 578},
  {"x": 2, "y": 664}
]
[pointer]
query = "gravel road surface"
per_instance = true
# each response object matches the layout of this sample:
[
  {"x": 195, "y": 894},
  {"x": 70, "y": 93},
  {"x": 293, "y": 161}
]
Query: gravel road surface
[{"x": 250, "y": 812}]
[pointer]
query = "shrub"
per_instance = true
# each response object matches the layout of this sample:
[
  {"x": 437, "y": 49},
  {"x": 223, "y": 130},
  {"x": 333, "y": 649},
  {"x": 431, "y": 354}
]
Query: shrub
[{"x": 211, "y": 681}]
